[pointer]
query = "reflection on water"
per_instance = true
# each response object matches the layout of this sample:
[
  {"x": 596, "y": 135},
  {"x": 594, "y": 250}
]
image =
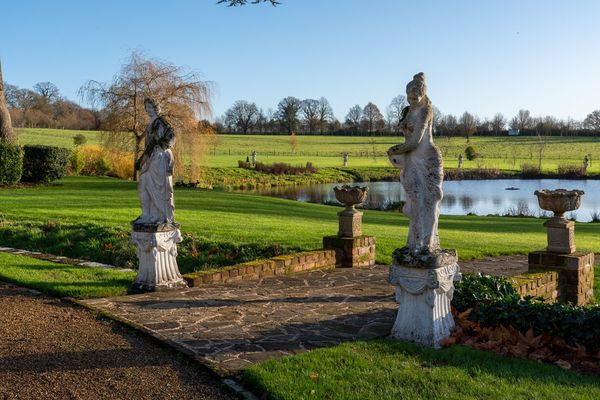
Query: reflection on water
[{"x": 482, "y": 197}]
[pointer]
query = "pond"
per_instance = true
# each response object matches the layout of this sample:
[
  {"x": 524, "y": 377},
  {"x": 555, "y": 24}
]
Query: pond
[{"x": 481, "y": 197}]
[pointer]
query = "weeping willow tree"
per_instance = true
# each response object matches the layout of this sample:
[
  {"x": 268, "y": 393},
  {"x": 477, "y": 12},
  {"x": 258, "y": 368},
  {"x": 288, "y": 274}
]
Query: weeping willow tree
[{"x": 184, "y": 100}]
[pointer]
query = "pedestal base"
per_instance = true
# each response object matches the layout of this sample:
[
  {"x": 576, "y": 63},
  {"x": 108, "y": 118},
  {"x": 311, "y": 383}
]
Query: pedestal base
[
  {"x": 352, "y": 252},
  {"x": 424, "y": 294},
  {"x": 350, "y": 223},
  {"x": 561, "y": 236},
  {"x": 157, "y": 252},
  {"x": 575, "y": 274}
]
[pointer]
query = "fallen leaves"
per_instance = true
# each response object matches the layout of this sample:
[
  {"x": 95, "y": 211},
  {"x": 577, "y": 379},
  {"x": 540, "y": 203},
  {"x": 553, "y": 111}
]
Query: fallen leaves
[{"x": 508, "y": 341}]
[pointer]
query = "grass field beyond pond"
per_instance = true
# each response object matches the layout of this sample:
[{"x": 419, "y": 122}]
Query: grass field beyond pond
[{"x": 501, "y": 152}]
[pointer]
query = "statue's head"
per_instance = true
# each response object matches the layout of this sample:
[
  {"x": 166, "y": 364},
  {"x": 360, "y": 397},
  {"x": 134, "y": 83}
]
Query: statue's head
[
  {"x": 416, "y": 89},
  {"x": 152, "y": 107}
]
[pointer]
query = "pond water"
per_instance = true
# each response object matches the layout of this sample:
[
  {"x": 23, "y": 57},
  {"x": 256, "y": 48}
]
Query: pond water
[{"x": 482, "y": 197}]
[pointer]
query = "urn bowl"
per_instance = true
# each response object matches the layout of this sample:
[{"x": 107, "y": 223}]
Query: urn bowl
[
  {"x": 559, "y": 201},
  {"x": 351, "y": 196}
]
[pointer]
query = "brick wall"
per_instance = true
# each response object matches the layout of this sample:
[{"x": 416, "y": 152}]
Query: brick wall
[
  {"x": 539, "y": 284},
  {"x": 280, "y": 265}
]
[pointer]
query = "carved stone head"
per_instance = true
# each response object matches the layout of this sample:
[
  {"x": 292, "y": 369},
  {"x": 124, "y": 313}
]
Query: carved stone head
[
  {"x": 152, "y": 107},
  {"x": 416, "y": 89}
]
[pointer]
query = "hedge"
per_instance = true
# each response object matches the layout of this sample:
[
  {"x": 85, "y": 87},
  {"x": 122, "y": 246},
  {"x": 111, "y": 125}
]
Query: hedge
[
  {"x": 44, "y": 163},
  {"x": 11, "y": 163}
]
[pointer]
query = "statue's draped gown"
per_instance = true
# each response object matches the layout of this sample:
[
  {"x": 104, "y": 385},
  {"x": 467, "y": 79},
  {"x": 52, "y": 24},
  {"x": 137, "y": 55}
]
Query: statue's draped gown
[{"x": 156, "y": 178}]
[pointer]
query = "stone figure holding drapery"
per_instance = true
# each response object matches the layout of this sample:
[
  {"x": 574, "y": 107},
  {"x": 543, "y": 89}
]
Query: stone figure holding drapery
[
  {"x": 421, "y": 172},
  {"x": 156, "y": 170},
  {"x": 422, "y": 272},
  {"x": 155, "y": 233}
]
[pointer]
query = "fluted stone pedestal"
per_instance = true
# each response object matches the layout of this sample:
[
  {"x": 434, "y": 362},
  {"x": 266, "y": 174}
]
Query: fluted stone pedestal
[
  {"x": 424, "y": 289},
  {"x": 157, "y": 254}
]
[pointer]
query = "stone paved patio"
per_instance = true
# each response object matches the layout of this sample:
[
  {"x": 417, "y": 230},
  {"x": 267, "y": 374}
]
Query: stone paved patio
[{"x": 234, "y": 325}]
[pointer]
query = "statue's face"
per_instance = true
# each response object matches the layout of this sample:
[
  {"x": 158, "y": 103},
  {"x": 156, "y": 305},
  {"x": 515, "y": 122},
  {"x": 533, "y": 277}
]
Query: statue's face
[
  {"x": 150, "y": 109},
  {"x": 414, "y": 93}
]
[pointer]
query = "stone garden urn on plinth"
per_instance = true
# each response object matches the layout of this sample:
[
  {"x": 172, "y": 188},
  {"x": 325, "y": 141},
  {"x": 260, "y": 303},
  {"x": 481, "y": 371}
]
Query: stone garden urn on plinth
[
  {"x": 350, "y": 217},
  {"x": 352, "y": 248},
  {"x": 575, "y": 269},
  {"x": 561, "y": 232}
]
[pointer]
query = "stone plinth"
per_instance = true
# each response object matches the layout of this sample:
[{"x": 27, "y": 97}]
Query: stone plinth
[
  {"x": 352, "y": 252},
  {"x": 561, "y": 236},
  {"x": 575, "y": 274},
  {"x": 424, "y": 295},
  {"x": 156, "y": 251},
  {"x": 350, "y": 223}
]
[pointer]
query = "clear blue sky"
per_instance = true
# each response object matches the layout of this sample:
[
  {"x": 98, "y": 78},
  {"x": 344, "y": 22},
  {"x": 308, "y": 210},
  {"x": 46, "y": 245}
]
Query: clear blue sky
[{"x": 481, "y": 56}]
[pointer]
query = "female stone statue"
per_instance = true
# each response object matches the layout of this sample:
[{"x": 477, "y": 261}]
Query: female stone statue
[
  {"x": 156, "y": 170},
  {"x": 421, "y": 172}
]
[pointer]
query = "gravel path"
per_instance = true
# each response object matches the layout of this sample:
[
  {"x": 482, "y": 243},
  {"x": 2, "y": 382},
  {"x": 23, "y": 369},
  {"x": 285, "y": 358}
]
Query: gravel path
[{"x": 52, "y": 349}]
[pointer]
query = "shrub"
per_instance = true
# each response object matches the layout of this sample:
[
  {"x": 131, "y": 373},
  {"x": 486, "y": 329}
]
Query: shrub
[
  {"x": 44, "y": 163},
  {"x": 102, "y": 166},
  {"x": 79, "y": 139},
  {"x": 11, "y": 163},
  {"x": 76, "y": 162},
  {"x": 495, "y": 302},
  {"x": 470, "y": 153},
  {"x": 571, "y": 171},
  {"x": 477, "y": 173},
  {"x": 530, "y": 171},
  {"x": 279, "y": 168}
]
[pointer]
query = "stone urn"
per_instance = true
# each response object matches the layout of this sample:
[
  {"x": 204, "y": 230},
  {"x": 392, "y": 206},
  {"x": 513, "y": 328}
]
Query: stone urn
[
  {"x": 559, "y": 201},
  {"x": 561, "y": 232},
  {"x": 350, "y": 217}
]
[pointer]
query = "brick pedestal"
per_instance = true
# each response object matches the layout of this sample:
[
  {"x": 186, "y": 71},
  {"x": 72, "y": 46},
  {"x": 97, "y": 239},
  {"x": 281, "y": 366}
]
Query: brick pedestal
[
  {"x": 575, "y": 274},
  {"x": 352, "y": 252}
]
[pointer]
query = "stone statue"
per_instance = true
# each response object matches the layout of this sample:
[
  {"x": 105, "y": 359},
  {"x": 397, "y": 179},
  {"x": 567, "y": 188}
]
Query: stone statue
[
  {"x": 156, "y": 170},
  {"x": 6, "y": 131},
  {"x": 422, "y": 272},
  {"x": 155, "y": 232},
  {"x": 253, "y": 158},
  {"x": 421, "y": 173},
  {"x": 345, "y": 155},
  {"x": 586, "y": 163},
  {"x": 460, "y": 160}
]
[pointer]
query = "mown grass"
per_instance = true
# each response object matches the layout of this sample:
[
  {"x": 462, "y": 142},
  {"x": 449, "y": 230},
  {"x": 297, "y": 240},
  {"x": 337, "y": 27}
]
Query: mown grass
[
  {"x": 504, "y": 153},
  {"x": 225, "y": 217},
  {"x": 63, "y": 280},
  {"x": 385, "y": 369}
]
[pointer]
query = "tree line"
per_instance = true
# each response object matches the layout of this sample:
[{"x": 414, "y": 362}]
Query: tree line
[
  {"x": 315, "y": 117},
  {"x": 44, "y": 107}
]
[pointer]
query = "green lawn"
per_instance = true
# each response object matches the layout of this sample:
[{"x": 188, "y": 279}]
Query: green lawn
[
  {"x": 384, "y": 369},
  {"x": 242, "y": 218},
  {"x": 63, "y": 280},
  {"x": 506, "y": 153}
]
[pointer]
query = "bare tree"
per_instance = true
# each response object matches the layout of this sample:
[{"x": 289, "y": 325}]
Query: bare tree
[
  {"x": 394, "y": 111},
  {"x": 243, "y": 115},
  {"x": 235, "y": 3},
  {"x": 354, "y": 117},
  {"x": 542, "y": 128},
  {"x": 47, "y": 91},
  {"x": 468, "y": 124},
  {"x": 287, "y": 113},
  {"x": 498, "y": 123},
  {"x": 182, "y": 96},
  {"x": 372, "y": 118},
  {"x": 324, "y": 114},
  {"x": 522, "y": 120},
  {"x": 592, "y": 121},
  {"x": 310, "y": 113},
  {"x": 6, "y": 131}
]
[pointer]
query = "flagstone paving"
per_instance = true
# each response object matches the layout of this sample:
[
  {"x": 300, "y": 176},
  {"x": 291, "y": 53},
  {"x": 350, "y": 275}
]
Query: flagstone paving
[{"x": 234, "y": 325}]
